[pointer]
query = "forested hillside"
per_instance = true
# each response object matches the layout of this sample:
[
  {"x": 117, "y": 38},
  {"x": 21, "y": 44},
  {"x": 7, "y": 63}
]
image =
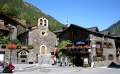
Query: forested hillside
[
  {"x": 114, "y": 28},
  {"x": 27, "y": 13}
]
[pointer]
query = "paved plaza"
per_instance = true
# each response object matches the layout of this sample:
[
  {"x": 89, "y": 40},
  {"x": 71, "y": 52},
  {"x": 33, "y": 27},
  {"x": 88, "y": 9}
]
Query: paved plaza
[{"x": 48, "y": 69}]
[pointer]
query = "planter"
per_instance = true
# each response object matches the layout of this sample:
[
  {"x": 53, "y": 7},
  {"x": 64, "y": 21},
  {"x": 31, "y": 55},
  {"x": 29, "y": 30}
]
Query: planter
[
  {"x": 18, "y": 46},
  {"x": 11, "y": 46},
  {"x": 4, "y": 46}
]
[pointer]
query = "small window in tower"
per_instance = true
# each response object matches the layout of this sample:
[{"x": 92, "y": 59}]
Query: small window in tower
[
  {"x": 40, "y": 23},
  {"x": 40, "y": 20},
  {"x": 43, "y": 33},
  {"x": 45, "y": 24},
  {"x": 45, "y": 21}
]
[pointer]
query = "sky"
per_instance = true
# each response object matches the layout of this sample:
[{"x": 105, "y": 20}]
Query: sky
[{"x": 85, "y": 13}]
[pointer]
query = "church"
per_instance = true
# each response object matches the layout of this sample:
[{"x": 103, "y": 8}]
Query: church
[{"x": 42, "y": 39}]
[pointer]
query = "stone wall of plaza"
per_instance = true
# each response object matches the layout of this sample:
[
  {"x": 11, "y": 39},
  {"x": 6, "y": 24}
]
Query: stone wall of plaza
[{"x": 108, "y": 53}]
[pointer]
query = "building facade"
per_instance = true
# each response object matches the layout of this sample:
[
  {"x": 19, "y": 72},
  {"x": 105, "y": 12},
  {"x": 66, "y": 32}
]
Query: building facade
[
  {"x": 8, "y": 34},
  {"x": 42, "y": 39},
  {"x": 88, "y": 47},
  {"x": 103, "y": 50}
]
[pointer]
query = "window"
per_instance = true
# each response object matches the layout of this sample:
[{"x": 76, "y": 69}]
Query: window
[
  {"x": 99, "y": 49},
  {"x": 40, "y": 23},
  {"x": 43, "y": 33},
  {"x": 41, "y": 20},
  {"x": 45, "y": 21},
  {"x": 110, "y": 45},
  {"x": 105, "y": 45},
  {"x": 22, "y": 60},
  {"x": 110, "y": 57},
  {"x": 45, "y": 24},
  {"x": 23, "y": 56}
]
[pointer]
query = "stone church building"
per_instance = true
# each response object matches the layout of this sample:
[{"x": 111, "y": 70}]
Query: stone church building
[{"x": 42, "y": 39}]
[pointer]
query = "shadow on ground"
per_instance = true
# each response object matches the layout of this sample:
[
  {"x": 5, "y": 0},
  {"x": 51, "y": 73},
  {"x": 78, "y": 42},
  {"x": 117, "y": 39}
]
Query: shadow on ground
[{"x": 114, "y": 65}]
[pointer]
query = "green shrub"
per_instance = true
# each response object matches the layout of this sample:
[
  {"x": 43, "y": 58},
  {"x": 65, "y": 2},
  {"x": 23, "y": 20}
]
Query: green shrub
[
  {"x": 30, "y": 47},
  {"x": 4, "y": 46}
]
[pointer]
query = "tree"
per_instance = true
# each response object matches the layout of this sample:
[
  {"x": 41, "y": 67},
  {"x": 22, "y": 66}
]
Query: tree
[
  {"x": 61, "y": 47},
  {"x": 5, "y": 8}
]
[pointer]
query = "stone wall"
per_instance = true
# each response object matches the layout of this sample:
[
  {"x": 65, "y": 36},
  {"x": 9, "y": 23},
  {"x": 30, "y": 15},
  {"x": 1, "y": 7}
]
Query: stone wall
[
  {"x": 106, "y": 51},
  {"x": 37, "y": 40}
]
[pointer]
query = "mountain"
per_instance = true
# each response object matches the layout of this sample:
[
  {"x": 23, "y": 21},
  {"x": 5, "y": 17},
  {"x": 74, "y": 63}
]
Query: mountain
[
  {"x": 27, "y": 13},
  {"x": 114, "y": 28}
]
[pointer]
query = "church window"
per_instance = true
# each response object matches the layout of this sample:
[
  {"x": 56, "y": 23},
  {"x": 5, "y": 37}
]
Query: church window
[
  {"x": 40, "y": 23},
  {"x": 40, "y": 20},
  {"x": 43, "y": 33},
  {"x": 45, "y": 24}
]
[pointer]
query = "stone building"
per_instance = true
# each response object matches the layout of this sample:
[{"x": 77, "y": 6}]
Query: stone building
[
  {"x": 8, "y": 33},
  {"x": 89, "y": 46},
  {"x": 42, "y": 39}
]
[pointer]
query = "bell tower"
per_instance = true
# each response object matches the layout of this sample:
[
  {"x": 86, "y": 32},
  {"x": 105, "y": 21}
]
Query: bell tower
[{"x": 43, "y": 26}]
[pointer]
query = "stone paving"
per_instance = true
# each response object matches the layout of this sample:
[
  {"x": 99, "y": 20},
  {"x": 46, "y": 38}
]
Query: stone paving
[{"x": 48, "y": 69}]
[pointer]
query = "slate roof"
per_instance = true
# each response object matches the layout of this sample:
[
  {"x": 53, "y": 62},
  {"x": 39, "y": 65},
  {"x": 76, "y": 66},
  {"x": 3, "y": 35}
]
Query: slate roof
[{"x": 94, "y": 29}]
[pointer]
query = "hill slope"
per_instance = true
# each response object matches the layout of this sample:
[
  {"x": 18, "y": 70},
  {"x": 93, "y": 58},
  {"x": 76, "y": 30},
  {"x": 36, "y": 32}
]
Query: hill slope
[
  {"x": 115, "y": 28},
  {"x": 27, "y": 13}
]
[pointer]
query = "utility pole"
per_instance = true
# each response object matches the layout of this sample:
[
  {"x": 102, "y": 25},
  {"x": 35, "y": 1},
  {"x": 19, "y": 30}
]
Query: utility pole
[{"x": 67, "y": 22}]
